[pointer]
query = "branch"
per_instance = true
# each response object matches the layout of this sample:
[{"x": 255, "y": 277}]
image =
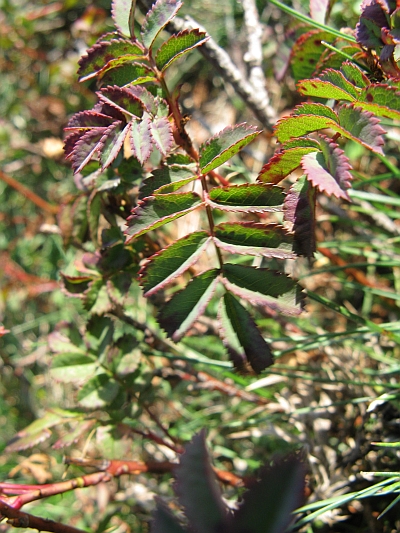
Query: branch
[
  {"x": 221, "y": 61},
  {"x": 18, "y": 518},
  {"x": 33, "y": 197},
  {"x": 254, "y": 55}
]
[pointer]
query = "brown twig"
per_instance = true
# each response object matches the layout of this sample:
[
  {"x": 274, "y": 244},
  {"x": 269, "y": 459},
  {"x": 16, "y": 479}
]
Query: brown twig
[
  {"x": 17, "y": 518},
  {"x": 30, "y": 195}
]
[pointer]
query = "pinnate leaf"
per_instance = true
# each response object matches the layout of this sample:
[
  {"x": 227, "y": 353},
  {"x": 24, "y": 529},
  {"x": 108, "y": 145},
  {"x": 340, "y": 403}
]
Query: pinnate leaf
[
  {"x": 321, "y": 88},
  {"x": 328, "y": 170},
  {"x": 197, "y": 489},
  {"x": 126, "y": 74},
  {"x": 161, "y": 133},
  {"x": 225, "y": 145},
  {"x": 89, "y": 119},
  {"x": 184, "y": 308},
  {"x": 157, "y": 18},
  {"x": 247, "y": 197},
  {"x": 241, "y": 336},
  {"x": 261, "y": 286},
  {"x": 140, "y": 139},
  {"x": 300, "y": 124},
  {"x": 158, "y": 210},
  {"x": 178, "y": 45},
  {"x": 254, "y": 239},
  {"x": 172, "y": 261},
  {"x": 283, "y": 163}
]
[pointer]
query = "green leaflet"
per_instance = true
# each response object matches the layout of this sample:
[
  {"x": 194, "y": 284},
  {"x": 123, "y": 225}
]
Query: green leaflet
[
  {"x": 241, "y": 335},
  {"x": 172, "y": 261},
  {"x": 306, "y": 53},
  {"x": 225, "y": 145},
  {"x": 323, "y": 89},
  {"x": 157, "y": 18},
  {"x": 106, "y": 55},
  {"x": 127, "y": 74},
  {"x": 283, "y": 163},
  {"x": 73, "y": 367},
  {"x": 381, "y": 100},
  {"x": 158, "y": 210},
  {"x": 261, "y": 286},
  {"x": 254, "y": 239},
  {"x": 178, "y": 315},
  {"x": 98, "y": 392},
  {"x": 164, "y": 177},
  {"x": 178, "y": 45},
  {"x": 247, "y": 197}
]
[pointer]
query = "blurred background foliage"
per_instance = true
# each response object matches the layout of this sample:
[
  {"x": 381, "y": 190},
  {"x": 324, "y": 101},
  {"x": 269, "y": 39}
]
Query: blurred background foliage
[{"x": 331, "y": 366}]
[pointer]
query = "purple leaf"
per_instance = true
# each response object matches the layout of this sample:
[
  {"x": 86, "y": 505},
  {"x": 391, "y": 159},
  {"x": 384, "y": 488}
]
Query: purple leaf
[
  {"x": 122, "y": 12},
  {"x": 140, "y": 139},
  {"x": 89, "y": 119},
  {"x": 86, "y": 148},
  {"x": 328, "y": 170},
  {"x": 157, "y": 18},
  {"x": 161, "y": 133},
  {"x": 122, "y": 99},
  {"x": 299, "y": 210},
  {"x": 112, "y": 142}
]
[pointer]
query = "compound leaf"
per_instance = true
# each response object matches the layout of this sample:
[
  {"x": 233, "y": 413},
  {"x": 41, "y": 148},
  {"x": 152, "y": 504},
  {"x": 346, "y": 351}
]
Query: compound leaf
[
  {"x": 158, "y": 210},
  {"x": 306, "y": 53},
  {"x": 241, "y": 336},
  {"x": 225, "y": 145},
  {"x": 322, "y": 88},
  {"x": 361, "y": 126},
  {"x": 197, "y": 489},
  {"x": 254, "y": 238},
  {"x": 164, "y": 177},
  {"x": 184, "y": 308},
  {"x": 354, "y": 74},
  {"x": 246, "y": 197},
  {"x": 86, "y": 148},
  {"x": 178, "y": 45},
  {"x": 381, "y": 99},
  {"x": 261, "y": 286},
  {"x": 172, "y": 261},
  {"x": 157, "y": 18}
]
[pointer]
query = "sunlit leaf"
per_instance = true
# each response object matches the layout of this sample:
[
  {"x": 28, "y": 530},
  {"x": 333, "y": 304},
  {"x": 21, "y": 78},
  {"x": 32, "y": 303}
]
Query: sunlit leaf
[
  {"x": 361, "y": 126},
  {"x": 184, "y": 308},
  {"x": 157, "y": 18},
  {"x": 322, "y": 88},
  {"x": 89, "y": 119},
  {"x": 73, "y": 367},
  {"x": 126, "y": 74},
  {"x": 101, "y": 54},
  {"x": 283, "y": 163},
  {"x": 381, "y": 100},
  {"x": 354, "y": 74},
  {"x": 72, "y": 437},
  {"x": 197, "y": 488},
  {"x": 306, "y": 53},
  {"x": 158, "y": 210},
  {"x": 254, "y": 239},
  {"x": 225, "y": 145},
  {"x": 247, "y": 197},
  {"x": 86, "y": 148},
  {"x": 178, "y": 45},
  {"x": 172, "y": 261},
  {"x": 120, "y": 11},
  {"x": 163, "y": 177},
  {"x": 241, "y": 336}
]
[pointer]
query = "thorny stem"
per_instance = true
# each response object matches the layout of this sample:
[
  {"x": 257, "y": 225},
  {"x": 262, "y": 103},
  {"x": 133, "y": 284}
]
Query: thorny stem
[{"x": 191, "y": 151}]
